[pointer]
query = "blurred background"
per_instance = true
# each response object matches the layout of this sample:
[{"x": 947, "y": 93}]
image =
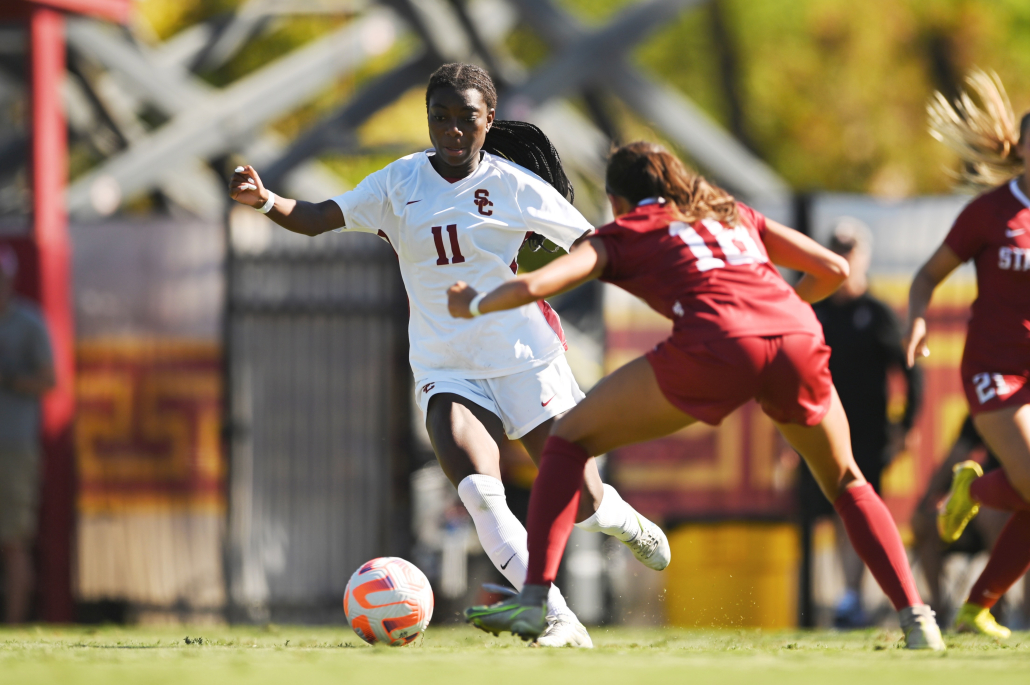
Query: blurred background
[{"x": 233, "y": 429}]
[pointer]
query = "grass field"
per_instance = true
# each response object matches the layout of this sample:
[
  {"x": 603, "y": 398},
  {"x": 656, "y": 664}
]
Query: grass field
[{"x": 317, "y": 656}]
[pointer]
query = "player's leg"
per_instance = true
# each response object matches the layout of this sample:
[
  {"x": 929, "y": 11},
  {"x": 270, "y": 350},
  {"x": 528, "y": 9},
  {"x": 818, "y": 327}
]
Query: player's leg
[
  {"x": 1007, "y": 433},
  {"x": 626, "y": 407},
  {"x": 19, "y": 488},
  {"x": 797, "y": 393},
  {"x": 602, "y": 510},
  {"x": 592, "y": 492},
  {"x": 464, "y": 436},
  {"x": 826, "y": 448},
  {"x": 529, "y": 403},
  {"x": 849, "y": 612}
]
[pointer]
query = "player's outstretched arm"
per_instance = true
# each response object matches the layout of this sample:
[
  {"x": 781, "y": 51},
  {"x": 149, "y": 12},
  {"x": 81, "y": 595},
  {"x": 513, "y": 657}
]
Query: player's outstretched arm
[
  {"x": 929, "y": 276},
  {"x": 824, "y": 270},
  {"x": 585, "y": 263},
  {"x": 307, "y": 218}
]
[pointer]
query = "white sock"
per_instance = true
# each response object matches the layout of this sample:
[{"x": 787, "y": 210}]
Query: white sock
[
  {"x": 614, "y": 516},
  {"x": 503, "y": 538}
]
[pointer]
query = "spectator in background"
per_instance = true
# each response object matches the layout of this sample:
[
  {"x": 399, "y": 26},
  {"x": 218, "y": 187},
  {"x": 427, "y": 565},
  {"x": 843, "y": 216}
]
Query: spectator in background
[
  {"x": 26, "y": 373},
  {"x": 865, "y": 342}
]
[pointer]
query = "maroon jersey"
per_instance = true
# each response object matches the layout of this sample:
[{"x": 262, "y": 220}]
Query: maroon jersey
[
  {"x": 713, "y": 281},
  {"x": 994, "y": 231}
]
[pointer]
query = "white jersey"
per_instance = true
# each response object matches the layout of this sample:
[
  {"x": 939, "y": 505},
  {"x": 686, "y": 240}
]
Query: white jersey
[{"x": 470, "y": 230}]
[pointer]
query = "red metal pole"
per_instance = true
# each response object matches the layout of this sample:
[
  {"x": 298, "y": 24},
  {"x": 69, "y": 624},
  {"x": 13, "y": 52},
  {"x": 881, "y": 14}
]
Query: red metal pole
[{"x": 49, "y": 178}]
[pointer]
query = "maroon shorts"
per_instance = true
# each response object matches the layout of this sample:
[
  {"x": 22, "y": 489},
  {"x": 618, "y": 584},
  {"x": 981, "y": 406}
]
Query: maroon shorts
[
  {"x": 788, "y": 375},
  {"x": 989, "y": 389}
]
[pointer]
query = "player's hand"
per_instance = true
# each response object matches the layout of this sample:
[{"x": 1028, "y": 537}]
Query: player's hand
[
  {"x": 459, "y": 297},
  {"x": 914, "y": 342},
  {"x": 245, "y": 187}
]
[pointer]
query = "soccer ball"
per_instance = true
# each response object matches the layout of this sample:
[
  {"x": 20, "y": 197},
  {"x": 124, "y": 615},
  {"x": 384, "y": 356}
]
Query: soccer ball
[{"x": 388, "y": 600}]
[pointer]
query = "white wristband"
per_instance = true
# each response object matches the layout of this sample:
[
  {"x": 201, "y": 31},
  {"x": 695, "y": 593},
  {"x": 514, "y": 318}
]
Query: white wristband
[
  {"x": 474, "y": 305},
  {"x": 267, "y": 207}
]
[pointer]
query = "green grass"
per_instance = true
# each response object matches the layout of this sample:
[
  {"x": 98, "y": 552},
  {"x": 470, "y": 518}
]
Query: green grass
[{"x": 317, "y": 656}]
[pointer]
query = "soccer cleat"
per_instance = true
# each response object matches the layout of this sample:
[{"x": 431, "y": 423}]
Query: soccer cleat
[
  {"x": 920, "y": 628},
  {"x": 512, "y": 614},
  {"x": 973, "y": 618},
  {"x": 565, "y": 631},
  {"x": 849, "y": 613},
  {"x": 649, "y": 545},
  {"x": 958, "y": 509}
]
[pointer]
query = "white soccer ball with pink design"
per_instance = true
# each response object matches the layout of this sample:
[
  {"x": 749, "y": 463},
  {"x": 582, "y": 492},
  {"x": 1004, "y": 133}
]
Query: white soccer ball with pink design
[{"x": 388, "y": 600}]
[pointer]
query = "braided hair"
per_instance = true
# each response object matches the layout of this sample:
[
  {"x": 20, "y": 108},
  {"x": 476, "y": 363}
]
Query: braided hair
[{"x": 516, "y": 141}]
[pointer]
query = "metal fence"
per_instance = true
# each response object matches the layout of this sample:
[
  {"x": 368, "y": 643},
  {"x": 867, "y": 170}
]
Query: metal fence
[{"x": 319, "y": 416}]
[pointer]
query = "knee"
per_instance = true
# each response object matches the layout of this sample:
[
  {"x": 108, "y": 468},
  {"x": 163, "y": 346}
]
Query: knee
[
  {"x": 569, "y": 428},
  {"x": 851, "y": 478}
]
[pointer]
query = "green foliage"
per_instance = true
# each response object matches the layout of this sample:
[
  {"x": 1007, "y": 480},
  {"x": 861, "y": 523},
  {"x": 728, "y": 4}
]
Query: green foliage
[{"x": 832, "y": 92}]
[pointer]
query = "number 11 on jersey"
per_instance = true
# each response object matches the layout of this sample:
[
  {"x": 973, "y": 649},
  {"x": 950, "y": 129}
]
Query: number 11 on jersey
[{"x": 452, "y": 231}]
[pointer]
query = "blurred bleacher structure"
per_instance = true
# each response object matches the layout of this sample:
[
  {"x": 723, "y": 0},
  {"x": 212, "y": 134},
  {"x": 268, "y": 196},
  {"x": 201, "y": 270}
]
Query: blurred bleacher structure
[{"x": 245, "y": 435}]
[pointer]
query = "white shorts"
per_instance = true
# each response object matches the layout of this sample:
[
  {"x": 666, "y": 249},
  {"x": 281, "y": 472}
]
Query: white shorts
[{"x": 522, "y": 401}]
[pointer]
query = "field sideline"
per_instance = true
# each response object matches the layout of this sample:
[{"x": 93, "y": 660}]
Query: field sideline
[{"x": 317, "y": 656}]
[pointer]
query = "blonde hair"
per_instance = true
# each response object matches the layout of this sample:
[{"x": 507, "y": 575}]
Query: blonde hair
[
  {"x": 641, "y": 170},
  {"x": 985, "y": 136}
]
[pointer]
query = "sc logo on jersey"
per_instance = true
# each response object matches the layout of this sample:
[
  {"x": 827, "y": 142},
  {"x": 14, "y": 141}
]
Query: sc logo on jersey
[{"x": 483, "y": 201}]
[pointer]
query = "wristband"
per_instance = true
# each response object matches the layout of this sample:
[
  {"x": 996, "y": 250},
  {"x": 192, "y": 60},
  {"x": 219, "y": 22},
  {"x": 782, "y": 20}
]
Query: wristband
[
  {"x": 267, "y": 207},
  {"x": 474, "y": 305}
]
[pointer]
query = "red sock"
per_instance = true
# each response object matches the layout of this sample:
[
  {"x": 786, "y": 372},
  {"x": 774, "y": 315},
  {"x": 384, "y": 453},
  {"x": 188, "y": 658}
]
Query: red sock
[
  {"x": 1010, "y": 559},
  {"x": 875, "y": 537},
  {"x": 995, "y": 491},
  {"x": 552, "y": 507}
]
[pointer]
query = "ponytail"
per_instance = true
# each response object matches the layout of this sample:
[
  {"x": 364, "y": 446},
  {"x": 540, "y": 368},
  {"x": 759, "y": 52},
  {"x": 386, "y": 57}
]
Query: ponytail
[
  {"x": 641, "y": 170},
  {"x": 985, "y": 136}
]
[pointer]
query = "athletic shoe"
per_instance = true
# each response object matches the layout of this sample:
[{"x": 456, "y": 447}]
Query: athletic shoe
[
  {"x": 849, "y": 614},
  {"x": 565, "y": 631},
  {"x": 973, "y": 618},
  {"x": 512, "y": 614},
  {"x": 920, "y": 628},
  {"x": 650, "y": 546},
  {"x": 958, "y": 509}
]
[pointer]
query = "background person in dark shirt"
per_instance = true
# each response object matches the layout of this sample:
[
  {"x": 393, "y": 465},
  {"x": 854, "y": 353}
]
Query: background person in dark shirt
[
  {"x": 865, "y": 342},
  {"x": 26, "y": 374}
]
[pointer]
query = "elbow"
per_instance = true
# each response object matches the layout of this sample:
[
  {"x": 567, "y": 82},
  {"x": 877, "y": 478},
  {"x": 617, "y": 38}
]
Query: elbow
[
  {"x": 840, "y": 269},
  {"x": 531, "y": 291},
  {"x": 837, "y": 271}
]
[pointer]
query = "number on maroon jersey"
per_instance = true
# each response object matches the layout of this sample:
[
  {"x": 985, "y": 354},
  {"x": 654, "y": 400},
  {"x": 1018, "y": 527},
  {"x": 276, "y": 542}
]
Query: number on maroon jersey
[
  {"x": 983, "y": 383},
  {"x": 696, "y": 244},
  {"x": 737, "y": 245},
  {"x": 452, "y": 232}
]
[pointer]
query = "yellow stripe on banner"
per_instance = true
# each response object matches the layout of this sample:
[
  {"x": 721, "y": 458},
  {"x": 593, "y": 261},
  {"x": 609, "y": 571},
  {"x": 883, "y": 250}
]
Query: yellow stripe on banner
[
  {"x": 119, "y": 349},
  {"x": 136, "y": 502},
  {"x": 945, "y": 350},
  {"x": 957, "y": 292}
]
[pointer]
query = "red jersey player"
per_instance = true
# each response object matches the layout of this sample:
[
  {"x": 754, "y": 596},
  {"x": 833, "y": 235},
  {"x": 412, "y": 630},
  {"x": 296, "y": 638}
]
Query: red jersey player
[
  {"x": 740, "y": 332},
  {"x": 994, "y": 232}
]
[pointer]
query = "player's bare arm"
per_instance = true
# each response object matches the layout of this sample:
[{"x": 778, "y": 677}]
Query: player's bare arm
[
  {"x": 306, "y": 218},
  {"x": 929, "y": 276},
  {"x": 585, "y": 263},
  {"x": 824, "y": 270}
]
